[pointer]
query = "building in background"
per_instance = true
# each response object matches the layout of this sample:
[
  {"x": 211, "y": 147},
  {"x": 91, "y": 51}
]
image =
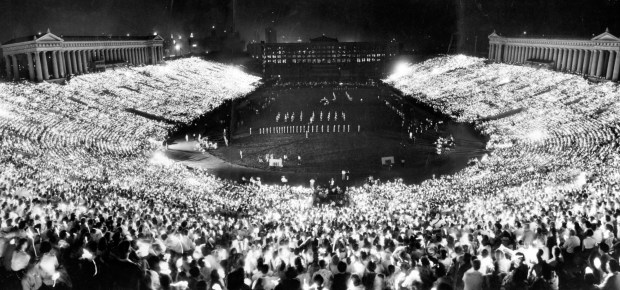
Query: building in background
[
  {"x": 598, "y": 57},
  {"x": 49, "y": 57},
  {"x": 324, "y": 58}
]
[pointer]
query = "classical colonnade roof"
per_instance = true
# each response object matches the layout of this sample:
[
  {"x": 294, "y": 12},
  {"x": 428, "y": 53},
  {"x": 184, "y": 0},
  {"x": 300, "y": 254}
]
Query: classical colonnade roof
[{"x": 603, "y": 39}]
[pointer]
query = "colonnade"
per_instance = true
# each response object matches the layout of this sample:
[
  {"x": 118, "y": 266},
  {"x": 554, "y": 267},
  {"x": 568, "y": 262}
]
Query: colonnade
[
  {"x": 55, "y": 64},
  {"x": 592, "y": 61}
]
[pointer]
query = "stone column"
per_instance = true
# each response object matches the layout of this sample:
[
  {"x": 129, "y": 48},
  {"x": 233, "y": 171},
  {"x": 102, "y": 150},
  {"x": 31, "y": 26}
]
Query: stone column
[
  {"x": 44, "y": 67},
  {"x": 616, "y": 72},
  {"x": 491, "y": 51},
  {"x": 84, "y": 62},
  {"x": 37, "y": 63},
  {"x": 61, "y": 64},
  {"x": 593, "y": 62},
  {"x": 54, "y": 65},
  {"x": 610, "y": 65},
  {"x": 587, "y": 55},
  {"x": 569, "y": 59},
  {"x": 80, "y": 63},
  {"x": 15, "y": 68},
  {"x": 517, "y": 54},
  {"x": 547, "y": 53},
  {"x": 74, "y": 62},
  {"x": 601, "y": 63},
  {"x": 575, "y": 59},
  {"x": 68, "y": 63},
  {"x": 579, "y": 68},
  {"x": 30, "y": 66},
  {"x": 7, "y": 66},
  {"x": 565, "y": 58}
]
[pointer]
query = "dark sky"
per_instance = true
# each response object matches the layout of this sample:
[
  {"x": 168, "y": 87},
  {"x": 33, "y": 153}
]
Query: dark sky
[{"x": 420, "y": 24}]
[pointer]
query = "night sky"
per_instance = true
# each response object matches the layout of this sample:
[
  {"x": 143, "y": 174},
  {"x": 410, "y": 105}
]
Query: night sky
[{"x": 423, "y": 25}]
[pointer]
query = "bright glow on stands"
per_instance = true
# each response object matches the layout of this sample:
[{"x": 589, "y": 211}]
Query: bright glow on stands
[
  {"x": 536, "y": 135},
  {"x": 400, "y": 69}
]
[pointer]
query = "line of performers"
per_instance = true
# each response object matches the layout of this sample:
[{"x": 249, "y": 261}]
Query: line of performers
[{"x": 343, "y": 128}]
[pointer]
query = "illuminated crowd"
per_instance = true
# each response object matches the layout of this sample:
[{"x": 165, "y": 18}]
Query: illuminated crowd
[{"x": 89, "y": 201}]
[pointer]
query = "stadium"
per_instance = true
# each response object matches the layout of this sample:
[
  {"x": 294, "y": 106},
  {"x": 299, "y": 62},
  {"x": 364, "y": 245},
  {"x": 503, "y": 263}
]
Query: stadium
[{"x": 190, "y": 173}]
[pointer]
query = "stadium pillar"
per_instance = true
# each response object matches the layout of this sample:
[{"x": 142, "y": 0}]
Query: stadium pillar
[
  {"x": 54, "y": 65},
  {"x": 491, "y": 51},
  {"x": 68, "y": 63},
  {"x": 84, "y": 62},
  {"x": 499, "y": 53},
  {"x": 599, "y": 66},
  {"x": 562, "y": 58},
  {"x": 15, "y": 68},
  {"x": 593, "y": 60},
  {"x": 74, "y": 65},
  {"x": 586, "y": 61},
  {"x": 616, "y": 72},
  {"x": 7, "y": 66},
  {"x": 610, "y": 64},
  {"x": 44, "y": 67},
  {"x": 575, "y": 53},
  {"x": 30, "y": 66},
  {"x": 61, "y": 64},
  {"x": 580, "y": 54},
  {"x": 80, "y": 65},
  {"x": 569, "y": 59},
  {"x": 37, "y": 62}
]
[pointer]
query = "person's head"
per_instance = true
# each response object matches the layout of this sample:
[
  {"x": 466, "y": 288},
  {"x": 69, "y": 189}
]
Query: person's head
[
  {"x": 45, "y": 247},
  {"x": 201, "y": 285},
  {"x": 342, "y": 267},
  {"x": 124, "y": 249},
  {"x": 318, "y": 280},
  {"x": 355, "y": 279},
  {"x": 264, "y": 268},
  {"x": 476, "y": 264},
  {"x": 291, "y": 273},
  {"x": 322, "y": 264},
  {"x": 194, "y": 272},
  {"x": 371, "y": 266}
]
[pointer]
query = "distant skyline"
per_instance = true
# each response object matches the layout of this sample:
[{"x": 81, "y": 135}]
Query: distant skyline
[{"x": 419, "y": 24}]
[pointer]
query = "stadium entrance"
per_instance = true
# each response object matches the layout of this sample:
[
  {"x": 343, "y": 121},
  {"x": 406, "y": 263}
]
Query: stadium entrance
[{"x": 328, "y": 134}]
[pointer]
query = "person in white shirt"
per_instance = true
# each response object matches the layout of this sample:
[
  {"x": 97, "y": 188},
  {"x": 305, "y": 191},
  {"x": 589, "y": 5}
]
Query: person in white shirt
[
  {"x": 473, "y": 279},
  {"x": 572, "y": 242},
  {"x": 589, "y": 242}
]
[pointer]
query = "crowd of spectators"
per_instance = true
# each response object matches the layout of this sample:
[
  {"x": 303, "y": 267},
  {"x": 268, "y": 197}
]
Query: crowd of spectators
[{"x": 541, "y": 211}]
